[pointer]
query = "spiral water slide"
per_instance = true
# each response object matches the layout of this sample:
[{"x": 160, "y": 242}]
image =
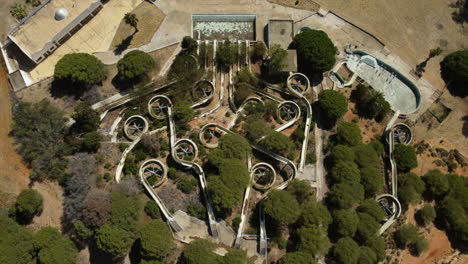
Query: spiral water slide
[{"x": 178, "y": 145}]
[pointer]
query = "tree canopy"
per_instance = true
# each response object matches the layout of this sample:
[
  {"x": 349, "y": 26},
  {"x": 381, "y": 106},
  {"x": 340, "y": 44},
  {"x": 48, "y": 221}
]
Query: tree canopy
[
  {"x": 370, "y": 103},
  {"x": 189, "y": 44},
  {"x": 281, "y": 206},
  {"x": 333, "y": 104},
  {"x": 297, "y": 257},
  {"x": 86, "y": 118},
  {"x": 342, "y": 153},
  {"x": 114, "y": 240},
  {"x": 366, "y": 156},
  {"x": 53, "y": 247},
  {"x": 345, "y": 222},
  {"x": 183, "y": 111},
  {"x": 348, "y": 133},
  {"x": 372, "y": 208},
  {"x": 278, "y": 58},
  {"x": 346, "y": 251},
  {"x": 315, "y": 51},
  {"x": 235, "y": 146},
  {"x": 134, "y": 64},
  {"x": 156, "y": 240},
  {"x": 410, "y": 188},
  {"x": 345, "y": 195},
  {"x": 367, "y": 256},
  {"x": 426, "y": 215},
  {"x": 28, "y": 204},
  {"x": 313, "y": 240},
  {"x": 436, "y": 183},
  {"x": 408, "y": 235},
  {"x": 315, "y": 214},
  {"x": 226, "y": 54},
  {"x": 80, "y": 67},
  {"x": 301, "y": 190},
  {"x": 372, "y": 180},
  {"x": 345, "y": 172},
  {"x": 405, "y": 157},
  {"x": 200, "y": 252},
  {"x": 367, "y": 227},
  {"x": 454, "y": 70},
  {"x": 277, "y": 142},
  {"x": 16, "y": 243}
]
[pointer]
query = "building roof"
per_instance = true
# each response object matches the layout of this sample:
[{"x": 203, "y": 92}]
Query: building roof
[
  {"x": 280, "y": 32},
  {"x": 292, "y": 61},
  {"x": 41, "y": 27}
]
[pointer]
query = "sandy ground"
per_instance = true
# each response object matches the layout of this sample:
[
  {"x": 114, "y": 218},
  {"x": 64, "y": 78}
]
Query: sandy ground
[
  {"x": 7, "y": 21},
  {"x": 149, "y": 19},
  {"x": 301, "y": 4},
  {"x": 52, "y": 194}
]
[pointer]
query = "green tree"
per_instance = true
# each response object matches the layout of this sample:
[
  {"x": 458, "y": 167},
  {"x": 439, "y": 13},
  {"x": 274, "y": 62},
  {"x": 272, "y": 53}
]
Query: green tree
[
  {"x": 366, "y": 156},
  {"x": 333, "y": 104},
  {"x": 345, "y": 195},
  {"x": 372, "y": 208},
  {"x": 255, "y": 129},
  {"x": 114, "y": 240},
  {"x": 259, "y": 50},
  {"x": 200, "y": 252},
  {"x": 277, "y": 142},
  {"x": 346, "y": 251},
  {"x": 377, "y": 244},
  {"x": 226, "y": 54},
  {"x": 367, "y": 227},
  {"x": 313, "y": 240},
  {"x": 436, "y": 183},
  {"x": 18, "y": 11},
  {"x": 410, "y": 188},
  {"x": 454, "y": 71},
  {"x": 345, "y": 172},
  {"x": 342, "y": 153},
  {"x": 80, "y": 67},
  {"x": 426, "y": 215},
  {"x": 86, "y": 118},
  {"x": 16, "y": 243},
  {"x": 345, "y": 222},
  {"x": 243, "y": 90},
  {"x": 405, "y": 157},
  {"x": 156, "y": 240},
  {"x": 281, "y": 206},
  {"x": 135, "y": 64},
  {"x": 183, "y": 111},
  {"x": 235, "y": 146},
  {"x": 370, "y": 103},
  {"x": 315, "y": 214},
  {"x": 454, "y": 217},
  {"x": 28, "y": 204},
  {"x": 189, "y": 44},
  {"x": 301, "y": 189},
  {"x": 236, "y": 256},
  {"x": 367, "y": 256},
  {"x": 315, "y": 51},
  {"x": 53, "y": 247},
  {"x": 278, "y": 58},
  {"x": 125, "y": 211},
  {"x": 152, "y": 209},
  {"x": 82, "y": 231},
  {"x": 348, "y": 133},
  {"x": 372, "y": 180},
  {"x": 131, "y": 20},
  {"x": 297, "y": 257},
  {"x": 92, "y": 141},
  {"x": 407, "y": 234}
]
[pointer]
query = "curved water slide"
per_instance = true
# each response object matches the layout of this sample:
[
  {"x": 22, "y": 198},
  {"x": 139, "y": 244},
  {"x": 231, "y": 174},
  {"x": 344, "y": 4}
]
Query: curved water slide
[
  {"x": 178, "y": 145},
  {"x": 167, "y": 214},
  {"x": 392, "y": 208}
]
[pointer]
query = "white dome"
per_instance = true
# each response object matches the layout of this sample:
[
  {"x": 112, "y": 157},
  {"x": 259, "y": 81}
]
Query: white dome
[{"x": 61, "y": 14}]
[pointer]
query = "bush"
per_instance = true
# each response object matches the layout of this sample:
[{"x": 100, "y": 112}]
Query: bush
[
  {"x": 187, "y": 184},
  {"x": 80, "y": 67},
  {"x": 28, "y": 204},
  {"x": 18, "y": 11},
  {"x": 348, "y": 133},
  {"x": 405, "y": 157},
  {"x": 426, "y": 215},
  {"x": 333, "y": 104},
  {"x": 197, "y": 210},
  {"x": 297, "y": 257},
  {"x": 189, "y": 44},
  {"x": 454, "y": 71},
  {"x": 278, "y": 58},
  {"x": 86, "y": 118},
  {"x": 114, "y": 240},
  {"x": 311, "y": 158},
  {"x": 259, "y": 50},
  {"x": 91, "y": 141},
  {"x": 156, "y": 240},
  {"x": 236, "y": 222},
  {"x": 346, "y": 251},
  {"x": 134, "y": 64},
  {"x": 282, "y": 207},
  {"x": 152, "y": 209},
  {"x": 315, "y": 51}
]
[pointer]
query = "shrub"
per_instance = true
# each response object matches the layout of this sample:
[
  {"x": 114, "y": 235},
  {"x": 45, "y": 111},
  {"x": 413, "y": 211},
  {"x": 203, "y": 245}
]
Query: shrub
[
  {"x": 278, "y": 58},
  {"x": 311, "y": 158},
  {"x": 156, "y": 240},
  {"x": 28, "y": 204},
  {"x": 282, "y": 207},
  {"x": 18, "y": 11},
  {"x": 187, "y": 184},
  {"x": 315, "y": 51},
  {"x": 259, "y": 50},
  {"x": 454, "y": 71},
  {"x": 348, "y": 133},
  {"x": 405, "y": 157},
  {"x": 91, "y": 141},
  {"x": 197, "y": 210},
  {"x": 86, "y": 118},
  {"x": 189, "y": 44},
  {"x": 333, "y": 104},
  {"x": 80, "y": 67},
  {"x": 426, "y": 215},
  {"x": 236, "y": 222},
  {"x": 152, "y": 209}
]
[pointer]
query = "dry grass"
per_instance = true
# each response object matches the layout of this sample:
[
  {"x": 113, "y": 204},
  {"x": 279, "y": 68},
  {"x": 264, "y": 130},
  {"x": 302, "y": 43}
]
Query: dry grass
[
  {"x": 300, "y": 4},
  {"x": 149, "y": 19}
]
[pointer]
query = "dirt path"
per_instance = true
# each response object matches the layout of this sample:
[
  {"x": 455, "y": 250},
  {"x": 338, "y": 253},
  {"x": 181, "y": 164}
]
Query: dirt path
[{"x": 14, "y": 175}]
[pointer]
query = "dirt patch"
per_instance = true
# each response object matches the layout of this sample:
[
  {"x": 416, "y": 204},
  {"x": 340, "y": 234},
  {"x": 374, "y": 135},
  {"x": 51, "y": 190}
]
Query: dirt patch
[
  {"x": 6, "y": 20},
  {"x": 300, "y": 4},
  {"x": 439, "y": 246},
  {"x": 52, "y": 213},
  {"x": 149, "y": 19}
]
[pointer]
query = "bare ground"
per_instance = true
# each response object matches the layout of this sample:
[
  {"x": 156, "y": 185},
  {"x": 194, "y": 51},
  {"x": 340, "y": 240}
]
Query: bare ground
[{"x": 52, "y": 213}]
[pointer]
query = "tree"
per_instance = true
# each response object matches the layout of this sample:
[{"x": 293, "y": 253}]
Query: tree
[
  {"x": 454, "y": 217},
  {"x": 372, "y": 181},
  {"x": 282, "y": 207},
  {"x": 96, "y": 208},
  {"x": 152, "y": 209},
  {"x": 81, "y": 68},
  {"x": 277, "y": 142},
  {"x": 370, "y": 103},
  {"x": 366, "y": 156},
  {"x": 333, "y": 104},
  {"x": 367, "y": 227},
  {"x": 297, "y": 257},
  {"x": 315, "y": 51},
  {"x": 348, "y": 133},
  {"x": 345, "y": 195},
  {"x": 156, "y": 240},
  {"x": 82, "y": 231},
  {"x": 372, "y": 208},
  {"x": 92, "y": 141},
  {"x": 131, "y": 20},
  {"x": 313, "y": 240},
  {"x": 183, "y": 111},
  {"x": 236, "y": 256},
  {"x": 405, "y": 157},
  {"x": 53, "y": 247},
  {"x": 346, "y": 251},
  {"x": 345, "y": 222},
  {"x": 436, "y": 183},
  {"x": 114, "y": 240},
  {"x": 278, "y": 58},
  {"x": 242, "y": 92},
  {"x": 454, "y": 71},
  {"x": 189, "y": 44},
  {"x": 259, "y": 50},
  {"x": 226, "y": 54},
  {"x": 135, "y": 64},
  {"x": 200, "y": 252},
  {"x": 301, "y": 190},
  {"x": 426, "y": 215},
  {"x": 408, "y": 235},
  {"x": 16, "y": 243},
  {"x": 315, "y": 214},
  {"x": 367, "y": 256},
  {"x": 345, "y": 172},
  {"x": 411, "y": 186},
  {"x": 255, "y": 129},
  {"x": 342, "y": 153},
  {"x": 235, "y": 146},
  {"x": 86, "y": 118},
  {"x": 18, "y": 11},
  {"x": 377, "y": 244},
  {"x": 125, "y": 211},
  {"x": 28, "y": 204}
]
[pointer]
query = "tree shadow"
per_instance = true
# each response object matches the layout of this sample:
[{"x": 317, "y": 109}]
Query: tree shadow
[
  {"x": 124, "y": 45},
  {"x": 98, "y": 256},
  {"x": 321, "y": 120},
  {"x": 465, "y": 126},
  {"x": 62, "y": 88},
  {"x": 460, "y": 14}
]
